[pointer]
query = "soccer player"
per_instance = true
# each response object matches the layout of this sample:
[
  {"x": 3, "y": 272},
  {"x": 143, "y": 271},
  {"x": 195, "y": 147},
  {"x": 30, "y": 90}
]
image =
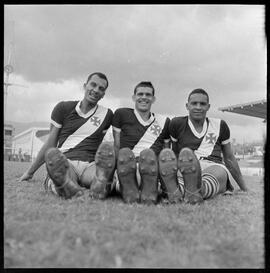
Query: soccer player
[
  {"x": 81, "y": 159},
  {"x": 139, "y": 136},
  {"x": 201, "y": 151}
]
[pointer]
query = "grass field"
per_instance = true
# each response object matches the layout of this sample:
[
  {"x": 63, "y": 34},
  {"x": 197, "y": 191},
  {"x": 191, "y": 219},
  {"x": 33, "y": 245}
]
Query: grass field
[{"x": 42, "y": 230}]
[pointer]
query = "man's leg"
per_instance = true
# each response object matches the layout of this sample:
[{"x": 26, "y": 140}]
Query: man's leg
[
  {"x": 126, "y": 173},
  {"x": 168, "y": 175},
  {"x": 87, "y": 175},
  {"x": 190, "y": 169},
  {"x": 214, "y": 181},
  {"x": 61, "y": 173},
  {"x": 104, "y": 169},
  {"x": 148, "y": 168}
]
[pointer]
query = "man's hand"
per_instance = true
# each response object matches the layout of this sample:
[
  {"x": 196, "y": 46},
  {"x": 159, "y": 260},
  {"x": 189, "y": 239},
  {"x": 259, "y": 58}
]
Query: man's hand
[{"x": 25, "y": 177}]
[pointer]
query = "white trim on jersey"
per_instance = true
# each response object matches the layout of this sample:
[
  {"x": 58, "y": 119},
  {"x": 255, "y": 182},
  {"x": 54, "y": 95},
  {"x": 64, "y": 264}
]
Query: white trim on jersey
[
  {"x": 173, "y": 139},
  {"x": 57, "y": 125},
  {"x": 86, "y": 130},
  {"x": 144, "y": 123},
  {"x": 193, "y": 130},
  {"x": 149, "y": 137},
  {"x": 118, "y": 130},
  {"x": 210, "y": 138},
  {"x": 226, "y": 141},
  {"x": 88, "y": 114}
]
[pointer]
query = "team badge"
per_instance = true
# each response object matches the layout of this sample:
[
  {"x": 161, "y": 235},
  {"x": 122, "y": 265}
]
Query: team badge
[
  {"x": 95, "y": 120},
  {"x": 155, "y": 129},
  {"x": 211, "y": 138}
]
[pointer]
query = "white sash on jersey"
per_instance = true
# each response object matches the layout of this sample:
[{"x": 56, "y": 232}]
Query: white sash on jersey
[
  {"x": 210, "y": 138},
  {"x": 86, "y": 130},
  {"x": 150, "y": 135}
]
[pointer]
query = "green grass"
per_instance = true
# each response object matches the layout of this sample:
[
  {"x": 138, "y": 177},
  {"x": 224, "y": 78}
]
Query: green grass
[{"x": 42, "y": 230}]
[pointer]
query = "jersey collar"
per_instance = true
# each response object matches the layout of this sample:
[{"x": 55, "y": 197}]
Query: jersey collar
[
  {"x": 88, "y": 114},
  {"x": 144, "y": 123},
  {"x": 192, "y": 128}
]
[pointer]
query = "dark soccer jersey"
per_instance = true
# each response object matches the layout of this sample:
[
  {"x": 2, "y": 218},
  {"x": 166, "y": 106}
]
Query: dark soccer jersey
[
  {"x": 80, "y": 133},
  {"x": 207, "y": 144},
  {"x": 137, "y": 134}
]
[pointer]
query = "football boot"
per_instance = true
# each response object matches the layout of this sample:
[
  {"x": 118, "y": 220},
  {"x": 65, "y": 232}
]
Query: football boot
[
  {"x": 168, "y": 175},
  {"x": 126, "y": 171},
  {"x": 148, "y": 168},
  {"x": 57, "y": 167},
  {"x": 105, "y": 165},
  {"x": 190, "y": 168}
]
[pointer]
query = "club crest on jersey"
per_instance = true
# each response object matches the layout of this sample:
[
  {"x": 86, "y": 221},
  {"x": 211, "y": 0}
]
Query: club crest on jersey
[
  {"x": 95, "y": 120},
  {"x": 211, "y": 138},
  {"x": 155, "y": 129}
]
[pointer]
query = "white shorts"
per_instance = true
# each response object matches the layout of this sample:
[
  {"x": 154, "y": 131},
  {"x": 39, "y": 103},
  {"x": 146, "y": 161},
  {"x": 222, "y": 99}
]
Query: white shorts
[{"x": 77, "y": 168}]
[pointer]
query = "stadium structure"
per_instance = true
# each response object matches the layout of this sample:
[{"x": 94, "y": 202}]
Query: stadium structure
[
  {"x": 254, "y": 109},
  {"x": 26, "y": 145}
]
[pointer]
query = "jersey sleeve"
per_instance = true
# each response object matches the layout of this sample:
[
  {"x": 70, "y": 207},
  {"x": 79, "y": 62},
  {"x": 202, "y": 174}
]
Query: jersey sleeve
[
  {"x": 116, "y": 121},
  {"x": 58, "y": 115},
  {"x": 110, "y": 118},
  {"x": 173, "y": 130},
  {"x": 166, "y": 130},
  {"x": 224, "y": 133}
]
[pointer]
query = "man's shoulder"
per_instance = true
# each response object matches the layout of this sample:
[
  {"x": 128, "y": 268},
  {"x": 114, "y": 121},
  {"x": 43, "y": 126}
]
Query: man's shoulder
[
  {"x": 217, "y": 120},
  {"x": 68, "y": 103},
  {"x": 124, "y": 110},
  {"x": 103, "y": 108},
  {"x": 64, "y": 106},
  {"x": 179, "y": 120}
]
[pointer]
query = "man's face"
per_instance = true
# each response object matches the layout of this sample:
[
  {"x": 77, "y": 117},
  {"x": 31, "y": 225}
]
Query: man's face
[
  {"x": 198, "y": 106},
  {"x": 95, "y": 89},
  {"x": 143, "y": 98}
]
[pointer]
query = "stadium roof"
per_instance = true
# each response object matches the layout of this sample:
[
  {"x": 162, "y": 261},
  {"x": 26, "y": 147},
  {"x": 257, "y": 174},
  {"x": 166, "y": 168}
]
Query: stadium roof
[{"x": 254, "y": 109}]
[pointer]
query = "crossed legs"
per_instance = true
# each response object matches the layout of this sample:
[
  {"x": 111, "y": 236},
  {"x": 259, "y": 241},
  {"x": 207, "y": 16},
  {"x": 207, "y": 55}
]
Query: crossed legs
[{"x": 97, "y": 176}]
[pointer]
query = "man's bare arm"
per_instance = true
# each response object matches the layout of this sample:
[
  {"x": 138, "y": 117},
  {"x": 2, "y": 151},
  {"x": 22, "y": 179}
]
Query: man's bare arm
[
  {"x": 232, "y": 165},
  {"x": 50, "y": 142}
]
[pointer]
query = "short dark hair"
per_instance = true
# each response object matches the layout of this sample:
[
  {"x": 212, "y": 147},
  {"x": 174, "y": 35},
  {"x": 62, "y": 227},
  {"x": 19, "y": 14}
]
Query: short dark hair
[
  {"x": 198, "y": 91},
  {"x": 101, "y": 75},
  {"x": 144, "y": 84}
]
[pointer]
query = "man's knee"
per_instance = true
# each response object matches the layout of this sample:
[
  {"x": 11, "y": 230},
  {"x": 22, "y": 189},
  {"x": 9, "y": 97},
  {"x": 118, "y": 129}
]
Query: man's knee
[
  {"x": 220, "y": 174},
  {"x": 88, "y": 176}
]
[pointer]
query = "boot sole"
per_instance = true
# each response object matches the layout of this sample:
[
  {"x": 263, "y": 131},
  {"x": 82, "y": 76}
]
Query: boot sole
[
  {"x": 189, "y": 166},
  {"x": 105, "y": 164},
  {"x": 57, "y": 167},
  {"x": 168, "y": 174},
  {"x": 126, "y": 171},
  {"x": 148, "y": 168}
]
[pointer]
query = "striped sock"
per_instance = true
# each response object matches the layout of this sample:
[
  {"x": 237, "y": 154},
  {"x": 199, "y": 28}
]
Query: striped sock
[
  {"x": 115, "y": 184},
  {"x": 210, "y": 185},
  {"x": 181, "y": 184}
]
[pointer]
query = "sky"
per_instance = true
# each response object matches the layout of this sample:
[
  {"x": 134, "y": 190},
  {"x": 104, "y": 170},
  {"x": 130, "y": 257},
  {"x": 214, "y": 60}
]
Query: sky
[{"x": 220, "y": 48}]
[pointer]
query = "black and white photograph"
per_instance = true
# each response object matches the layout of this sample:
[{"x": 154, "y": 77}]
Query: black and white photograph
[{"x": 134, "y": 136}]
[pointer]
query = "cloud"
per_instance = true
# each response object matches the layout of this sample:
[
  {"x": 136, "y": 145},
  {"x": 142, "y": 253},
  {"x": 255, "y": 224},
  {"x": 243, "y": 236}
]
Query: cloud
[{"x": 221, "y": 48}]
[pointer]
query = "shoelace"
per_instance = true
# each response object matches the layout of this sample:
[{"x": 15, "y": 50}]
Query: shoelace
[
  {"x": 193, "y": 193},
  {"x": 169, "y": 193},
  {"x": 61, "y": 187}
]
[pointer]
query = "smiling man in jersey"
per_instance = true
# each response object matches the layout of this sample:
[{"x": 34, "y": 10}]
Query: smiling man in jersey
[
  {"x": 139, "y": 136},
  {"x": 201, "y": 151},
  {"x": 81, "y": 159}
]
